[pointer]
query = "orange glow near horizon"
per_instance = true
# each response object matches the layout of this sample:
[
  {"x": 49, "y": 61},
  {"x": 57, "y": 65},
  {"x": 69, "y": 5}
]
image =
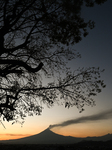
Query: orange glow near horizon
[
  {"x": 81, "y": 130},
  {"x": 83, "y": 134},
  {"x": 67, "y": 133},
  {"x": 35, "y": 125},
  {"x": 12, "y": 136}
]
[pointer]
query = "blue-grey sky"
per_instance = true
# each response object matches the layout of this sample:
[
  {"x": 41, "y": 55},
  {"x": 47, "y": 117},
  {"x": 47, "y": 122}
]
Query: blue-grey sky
[{"x": 96, "y": 48}]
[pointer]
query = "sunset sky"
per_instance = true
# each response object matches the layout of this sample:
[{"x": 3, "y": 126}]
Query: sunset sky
[{"x": 96, "y": 50}]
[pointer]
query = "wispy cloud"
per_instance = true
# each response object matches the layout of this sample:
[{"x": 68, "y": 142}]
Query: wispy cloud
[
  {"x": 9, "y": 134},
  {"x": 97, "y": 117}
]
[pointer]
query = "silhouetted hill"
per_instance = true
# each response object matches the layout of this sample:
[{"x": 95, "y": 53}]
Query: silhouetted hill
[
  {"x": 45, "y": 137},
  {"x": 100, "y": 138},
  {"x": 49, "y": 137}
]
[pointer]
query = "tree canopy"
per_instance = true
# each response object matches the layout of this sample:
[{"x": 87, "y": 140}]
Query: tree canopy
[{"x": 36, "y": 38}]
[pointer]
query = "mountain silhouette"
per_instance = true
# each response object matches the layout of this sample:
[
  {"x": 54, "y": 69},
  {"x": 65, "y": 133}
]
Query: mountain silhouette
[
  {"x": 49, "y": 137},
  {"x": 106, "y": 137},
  {"x": 45, "y": 137}
]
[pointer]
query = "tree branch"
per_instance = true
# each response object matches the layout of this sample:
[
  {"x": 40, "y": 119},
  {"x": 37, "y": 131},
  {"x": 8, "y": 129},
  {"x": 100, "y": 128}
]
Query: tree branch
[{"x": 20, "y": 63}]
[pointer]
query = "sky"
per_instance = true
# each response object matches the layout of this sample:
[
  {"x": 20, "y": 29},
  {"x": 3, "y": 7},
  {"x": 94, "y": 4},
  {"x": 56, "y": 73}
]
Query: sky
[{"x": 96, "y": 50}]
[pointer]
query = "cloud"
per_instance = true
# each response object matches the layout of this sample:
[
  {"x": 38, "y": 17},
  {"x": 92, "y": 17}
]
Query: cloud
[
  {"x": 97, "y": 117},
  {"x": 9, "y": 134}
]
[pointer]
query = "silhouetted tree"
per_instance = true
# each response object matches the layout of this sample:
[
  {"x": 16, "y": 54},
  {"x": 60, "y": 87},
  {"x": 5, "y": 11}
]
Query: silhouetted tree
[{"x": 35, "y": 46}]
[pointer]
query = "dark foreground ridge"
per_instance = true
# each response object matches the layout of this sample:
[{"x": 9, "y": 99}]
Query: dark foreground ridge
[
  {"x": 84, "y": 145},
  {"x": 49, "y": 137}
]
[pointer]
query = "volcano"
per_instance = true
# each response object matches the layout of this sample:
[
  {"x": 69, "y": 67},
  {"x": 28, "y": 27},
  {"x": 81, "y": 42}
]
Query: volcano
[
  {"x": 49, "y": 137},
  {"x": 45, "y": 137}
]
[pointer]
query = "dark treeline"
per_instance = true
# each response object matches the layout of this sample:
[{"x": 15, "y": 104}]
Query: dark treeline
[{"x": 84, "y": 145}]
